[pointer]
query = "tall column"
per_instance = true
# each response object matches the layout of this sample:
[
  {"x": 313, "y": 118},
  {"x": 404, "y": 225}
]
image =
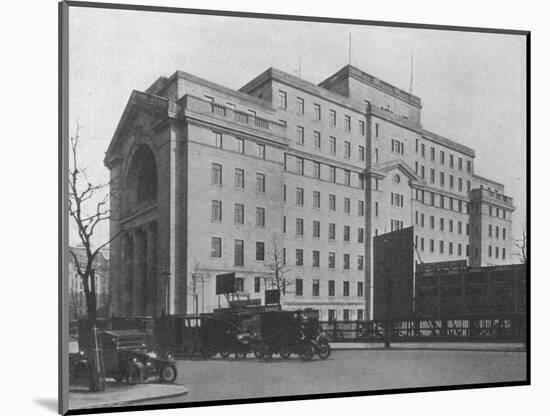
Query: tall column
[
  {"x": 151, "y": 282},
  {"x": 126, "y": 276},
  {"x": 138, "y": 277}
]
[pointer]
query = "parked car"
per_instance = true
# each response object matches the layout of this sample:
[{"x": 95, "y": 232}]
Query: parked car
[{"x": 126, "y": 357}]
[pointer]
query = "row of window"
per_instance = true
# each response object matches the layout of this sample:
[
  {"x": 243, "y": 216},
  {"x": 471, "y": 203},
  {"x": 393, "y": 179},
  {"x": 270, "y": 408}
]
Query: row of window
[
  {"x": 496, "y": 252},
  {"x": 420, "y": 170},
  {"x": 316, "y": 171},
  {"x": 496, "y": 212},
  {"x": 331, "y": 201},
  {"x": 419, "y": 219},
  {"x": 239, "y": 147},
  {"x": 419, "y": 244},
  {"x": 499, "y": 232},
  {"x": 317, "y": 112},
  {"x": 331, "y": 288},
  {"x": 217, "y": 178},
  {"x": 442, "y": 201},
  {"x": 317, "y": 144},
  {"x": 316, "y": 228},
  {"x": 346, "y": 315},
  {"x": 216, "y": 247},
  {"x": 421, "y": 148}
]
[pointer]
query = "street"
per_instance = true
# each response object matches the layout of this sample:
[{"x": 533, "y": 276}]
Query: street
[{"x": 218, "y": 378}]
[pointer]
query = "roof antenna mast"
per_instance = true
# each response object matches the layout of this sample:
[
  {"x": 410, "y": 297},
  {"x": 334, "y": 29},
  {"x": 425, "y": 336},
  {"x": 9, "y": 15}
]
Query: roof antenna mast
[{"x": 349, "y": 49}]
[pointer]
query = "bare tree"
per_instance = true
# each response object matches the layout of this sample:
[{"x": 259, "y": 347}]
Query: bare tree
[
  {"x": 278, "y": 269},
  {"x": 88, "y": 207},
  {"x": 521, "y": 245}
]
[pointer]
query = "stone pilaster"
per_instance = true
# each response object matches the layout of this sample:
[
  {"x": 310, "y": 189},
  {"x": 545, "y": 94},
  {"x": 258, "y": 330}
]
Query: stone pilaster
[{"x": 151, "y": 282}]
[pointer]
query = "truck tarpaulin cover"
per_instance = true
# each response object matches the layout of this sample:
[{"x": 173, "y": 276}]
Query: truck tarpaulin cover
[{"x": 393, "y": 269}]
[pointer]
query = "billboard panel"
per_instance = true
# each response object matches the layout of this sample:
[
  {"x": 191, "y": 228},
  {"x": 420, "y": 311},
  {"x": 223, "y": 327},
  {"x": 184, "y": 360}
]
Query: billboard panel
[
  {"x": 393, "y": 273},
  {"x": 225, "y": 283}
]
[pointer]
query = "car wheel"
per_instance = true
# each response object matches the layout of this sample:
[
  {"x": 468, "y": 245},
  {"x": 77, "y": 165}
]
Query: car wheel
[
  {"x": 285, "y": 353},
  {"x": 224, "y": 354},
  {"x": 135, "y": 374},
  {"x": 168, "y": 373},
  {"x": 324, "y": 351},
  {"x": 239, "y": 355}
]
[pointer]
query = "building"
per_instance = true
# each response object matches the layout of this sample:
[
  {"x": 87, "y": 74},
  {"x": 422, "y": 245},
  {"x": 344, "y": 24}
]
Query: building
[
  {"x": 207, "y": 179},
  {"x": 77, "y": 298}
]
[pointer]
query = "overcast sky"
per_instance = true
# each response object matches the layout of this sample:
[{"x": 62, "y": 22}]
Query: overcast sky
[{"x": 472, "y": 85}]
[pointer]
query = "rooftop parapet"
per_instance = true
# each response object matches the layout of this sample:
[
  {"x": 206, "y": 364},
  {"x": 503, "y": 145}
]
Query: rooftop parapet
[{"x": 481, "y": 194}]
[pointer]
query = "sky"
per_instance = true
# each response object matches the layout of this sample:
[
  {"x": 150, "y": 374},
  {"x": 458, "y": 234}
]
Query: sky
[{"x": 472, "y": 85}]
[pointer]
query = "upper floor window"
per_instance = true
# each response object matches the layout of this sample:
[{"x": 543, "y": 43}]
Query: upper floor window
[
  {"x": 460, "y": 163},
  {"x": 316, "y": 199},
  {"x": 299, "y": 166},
  {"x": 240, "y": 145},
  {"x": 216, "y": 210},
  {"x": 239, "y": 252},
  {"x": 260, "y": 182},
  {"x": 332, "y": 117},
  {"x": 260, "y": 217},
  {"x": 451, "y": 161},
  {"x": 469, "y": 166},
  {"x": 316, "y": 170},
  {"x": 216, "y": 174},
  {"x": 347, "y": 123},
  {"x": 422, "y": 149},
  {"x": 332, "y": 141},
  {"x": 317, "y": 139},
  {"x": 361, "y": 153},
  {"x": 216, "y": 247},
  {"x": 432, "y": 153},
  {"x": 317, "y": 111},
  {"x": 347, "y": 150},
  {"x": 300, "y": 196},
  {"x": 442, "y": 157},
  {"x": 261, "y": 151},
  {"x": 397, "y": 146},
  {"x": 332, "y": 174},
  {"x": 218, "y": 140},
  {"x": 300, "y": 134},
  {"x": 332, "y": 202},
  {"x": 361, "y": 127},
  {"x": 300, "y": 104},
  {"x": 346, "y": 177},
  {"x": 282, "y": 100}
]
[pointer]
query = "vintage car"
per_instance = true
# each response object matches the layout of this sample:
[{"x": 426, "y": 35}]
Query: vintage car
[{"x": 126, "y": 357}]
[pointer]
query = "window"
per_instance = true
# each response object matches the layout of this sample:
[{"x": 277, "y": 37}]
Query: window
[
  {"x": 450, "y": 249},
  {"x": 422, "y": 172},
  {"x": 239, "y": 252},
  {"x": 441, "y": 247},
  {"x": 216, "y": 247},
  {"x": 239, "y": 214},
  {"x": 359, "y": 289},
  {"x": 431, "y": 245},
  {"x": 359, "y": 262},
  {"x": 422, "y": 149},
  {"x": 316, "y": 229},
  {"x": 317, "y": 139},
  {"x": 397, "y": 200},
  {"x": 432, "y": 222},
  {"x": 347, "y": 150},
  {"x": 332, "y": 174},
  {"x": 299, "y": 287},
  {"x": 396, "y": 225},
  {"x": 496, "y": 231},
  {"x": 451, "y": 161},
  {"x": 459, "y": 184},
  {"x": 397, "y": 146},
  {"x": 347, "y": 205},
  {"x": 216, "y": 210},
  {"x": 299, "y": 166},
  {"x": 300, "y": 196},
  {"x": 284, "y": 193},
  {"x": 260, "y": 217},
  {"x": 442, "y": 157},
  {"x": 441, "y": 224},
  {"x": 416, "y": 146},
  {"x": 432, "y": 175},
  {"x": 316, "y": 199},
  {"x": 346, "y": 232},
  {"x": 459, "y": 249},
  {"x": 299, "y": 257},
  {"x": 346, "y": 288},
  {"x": 360, "y": 208},
  {"x": 490, "y": 230},
  {"x": 361, "y": 127},
  {"x": 299, "y": 227},
  {"x": 347, "y": 123},
  {"x": 282, "y": 100},
  {"x": 503, "y": 253},
  {"x": 316, "y": 170},
  {"x": 315, "y": 287},
  {"x": 468, "y": 186},
  {"x": 490, "y": 251},
  {"x": 284, "y": 224},
  {"x": 422, "y": 244},
  {"x": 504, "y": 234},
  {"x": 239, "y": 178},
  {"x": 261, "y": 151},
  {"x": 376, "y": 209},
  {"x": 331, "y": 260},
  {"x": 441, "y": 201},
  {"x": 317, "y": 111},
  {"x": 260, "y": 251},
  {"x": 332, "y": 142},
  {"x": 361, "y": 151},
  {"x": 257, "y": 284},
  {"x": 300, "y": 135},
  {"x": 300, "y": 102},
  {"x": 346, "y": 177},
  {"x": 451, "y": 181},
  {"x": 346, "y": 261},
  {"x": 460, "y": 227},
  {"x": 376, "y": 155},
  {"x": 239, "y": 284},
  {"x": 218, "y": 140},
  {"x": 332, "y": 118},
  {"x": 240, "y": 145},
  {"x": 460, "y": 163},
  {"x": 260, "y": 182},
  {"x": 450, "y": 226},
  {"x": 441, "y": 179},
  {"x": 422, "y": 220},
  {"x": 376, "y": 129},
  {"x": 332, "y": 202},
  {"x": 332, "y": 231},
  {"x": 331, "y": 290},
  {"x": 315, "y": 258},
  {"x": 216, "y": 174},
  {"x": 469, "y": 166},
  {"x": 360, "y": 235}
]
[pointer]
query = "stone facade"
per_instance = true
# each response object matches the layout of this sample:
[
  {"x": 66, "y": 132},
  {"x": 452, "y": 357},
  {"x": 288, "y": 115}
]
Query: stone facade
[{"x": 207, "y": 180}]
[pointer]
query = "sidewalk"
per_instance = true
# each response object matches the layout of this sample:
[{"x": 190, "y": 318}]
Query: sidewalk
[
  {"x": 118, "y": 394},
  {"x": 453, "y": 346}
]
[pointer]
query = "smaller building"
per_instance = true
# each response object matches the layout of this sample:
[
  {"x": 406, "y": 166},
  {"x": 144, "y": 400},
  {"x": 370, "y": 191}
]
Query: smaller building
[{"x": 77, "y": 298}]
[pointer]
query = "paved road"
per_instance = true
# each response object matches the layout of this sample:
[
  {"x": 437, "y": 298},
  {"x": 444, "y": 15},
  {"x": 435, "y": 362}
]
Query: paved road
[{"x": 218, "y": 379}]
